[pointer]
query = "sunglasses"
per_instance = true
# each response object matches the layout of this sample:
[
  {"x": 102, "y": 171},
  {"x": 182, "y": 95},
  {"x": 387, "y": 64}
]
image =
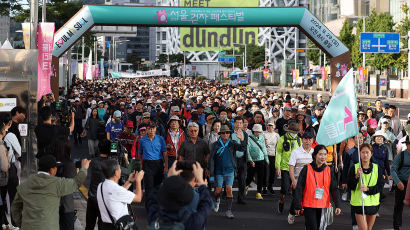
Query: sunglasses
[{"x": 222, "y": 133}]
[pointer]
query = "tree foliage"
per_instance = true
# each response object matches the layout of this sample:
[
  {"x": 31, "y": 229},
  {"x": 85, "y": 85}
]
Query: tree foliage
[
  {"x": 403, "y": 27},
  {"x": 346, "y": 34},
  {"x": 10, "y": 7},
  {"x": 255, "y": 56},
  {"x": 313, "y": 53},
  {"x": 134, "y": 59},
  {"x": 173, "y": 58}
]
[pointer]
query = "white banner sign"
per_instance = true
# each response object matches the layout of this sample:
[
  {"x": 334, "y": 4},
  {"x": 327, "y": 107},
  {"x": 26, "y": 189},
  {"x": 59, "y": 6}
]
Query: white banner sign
[
  {"x": 7, "y": 104},
  {"x": 151, "y": 73}
]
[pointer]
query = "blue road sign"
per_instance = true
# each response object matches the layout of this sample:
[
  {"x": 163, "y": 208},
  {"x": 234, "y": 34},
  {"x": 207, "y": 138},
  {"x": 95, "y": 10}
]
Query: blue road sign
[
  {"x": 379, "y": 42},
  {"x": 226, "y": 59}
]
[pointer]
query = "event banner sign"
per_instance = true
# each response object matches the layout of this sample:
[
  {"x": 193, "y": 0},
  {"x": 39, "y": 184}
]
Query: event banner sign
[
  {"x": 214, "y": 39},
  {"x": 72, "y": 31},
  {"x": 45, "y": 49}
]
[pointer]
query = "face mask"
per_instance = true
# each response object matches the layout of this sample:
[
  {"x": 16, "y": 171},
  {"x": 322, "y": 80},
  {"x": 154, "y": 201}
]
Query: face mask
[
  {"x": 224, "y": 117},
  {"x": 293, "y": 135}
]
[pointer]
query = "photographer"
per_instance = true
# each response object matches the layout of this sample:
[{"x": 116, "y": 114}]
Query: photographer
[
  {"x": 96, "y": 177},
  {"x": 47, "y": 131},
  {"x": 169, "y": 205},
  {"x": 113, "y": 198}
]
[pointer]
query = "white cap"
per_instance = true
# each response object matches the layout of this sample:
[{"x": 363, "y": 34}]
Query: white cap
[
  {"x": 319, "y": 95},
  {"x": 77, "y": 99},
  {"x": 100, "y": 102},
  {"x": 254, "y": 100},
  {"x": 301, "y": 106},
  {"x": 274, "y": 98},
  {"x": 408, "y": 115},
  {"x": 239, "y": 109},
  {"x": 133, "y": 100},
  {"x": 93, "y": 102}
]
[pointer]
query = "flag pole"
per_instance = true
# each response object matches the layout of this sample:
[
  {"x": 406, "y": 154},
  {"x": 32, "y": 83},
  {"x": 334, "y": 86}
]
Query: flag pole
[{"x": 361, "y": 178}]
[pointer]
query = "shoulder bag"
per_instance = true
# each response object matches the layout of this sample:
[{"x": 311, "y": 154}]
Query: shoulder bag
[{"x": 126, "y": 222}]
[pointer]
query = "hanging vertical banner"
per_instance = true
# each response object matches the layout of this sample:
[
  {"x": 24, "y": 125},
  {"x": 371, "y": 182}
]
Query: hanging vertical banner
[
  {"x": 45, "y": 49},
  {"x": 88, "y": 75},
  {"x": 361, "y": 73},
  {"x": 323, "y": 72},
  {"x": 102, "y": 68},
  {"x": 266, "y": 73},
  {"x": 25, "y": 27}
]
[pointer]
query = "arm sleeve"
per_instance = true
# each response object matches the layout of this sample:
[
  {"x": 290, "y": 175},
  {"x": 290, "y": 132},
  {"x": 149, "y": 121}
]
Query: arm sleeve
[
  {"x": 394, "y": 167},
  {"x": 14, "y": 142},
  {"x": 351, "y": 179},
  {"x": 163, "y": 145},
  {"x": 108, "y": 127},
  {"x": 17, "y": 209},
  {"x": 379, "y": 186},
  {"x": 67, "y": 186},
  {"x": 387, "y": 163},
  {"x": 248, "y": 150},
  {"x": 334, "y": 190},
  {"x": 198, "y": 219},
  {"x": 265, "y": 153},
  {"x": 140, "y": 151},
  {"x": 300, "y": 187},
  {"x": 292, "y": 158},
  {"x": 279, "y": 150},
  {"x": 181, "y": 150}
]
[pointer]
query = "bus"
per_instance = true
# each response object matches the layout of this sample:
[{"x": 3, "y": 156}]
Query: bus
[{"x": 239, "y": 78}]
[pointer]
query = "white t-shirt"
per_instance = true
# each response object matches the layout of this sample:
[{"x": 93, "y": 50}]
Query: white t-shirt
[
  {"x": 116, "y": 198},
  {"x": 271, "y": 139},
  {"x": 299, "y": 158}
]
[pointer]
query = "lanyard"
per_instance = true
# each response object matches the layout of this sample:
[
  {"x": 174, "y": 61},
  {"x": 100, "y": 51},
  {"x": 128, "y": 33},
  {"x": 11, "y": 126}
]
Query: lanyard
[{"x": 314, "y": 173}]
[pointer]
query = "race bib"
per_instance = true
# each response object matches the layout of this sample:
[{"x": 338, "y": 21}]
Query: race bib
[{"x": 319, "y": 193}]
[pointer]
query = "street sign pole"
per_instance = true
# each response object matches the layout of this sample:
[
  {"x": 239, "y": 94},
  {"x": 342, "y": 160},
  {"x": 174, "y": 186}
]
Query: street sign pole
[{"x": 364, "y": 55}]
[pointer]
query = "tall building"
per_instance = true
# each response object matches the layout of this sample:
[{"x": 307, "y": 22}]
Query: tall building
[
  {"x": 279, "y": 42},
  {"x": 4, "y": 28},
  {"x": 325, "y": 10}
]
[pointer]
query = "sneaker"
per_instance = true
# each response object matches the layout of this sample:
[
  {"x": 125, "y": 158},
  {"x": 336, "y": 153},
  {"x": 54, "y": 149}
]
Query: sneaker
[
  {"x": 217, "y": 202},
  {"x": 241, "y": 202},
  {"x": 264, "y": 191},
  {"x": 246, "y": 190},
  {"x": 291, "y": 219},
  {"x": 280, "y": 208},
  {"x": 344, "y": 196},
  {"x": 259, "y": 196},
  {"x": 355, "y": 227},
  {"x": 229, "y": 214}
]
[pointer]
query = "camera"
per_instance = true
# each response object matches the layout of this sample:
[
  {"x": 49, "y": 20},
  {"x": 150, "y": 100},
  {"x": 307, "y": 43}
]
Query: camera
[
  {"x": 286, "y": 146},
  {"x": 63, "y": 112},
  {"x": 185, "y": 165}
]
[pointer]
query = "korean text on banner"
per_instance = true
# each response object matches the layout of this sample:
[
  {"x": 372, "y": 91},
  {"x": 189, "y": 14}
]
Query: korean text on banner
[
  {"x": 45, "y": 49},
  {"x": 339, "y": 121}
]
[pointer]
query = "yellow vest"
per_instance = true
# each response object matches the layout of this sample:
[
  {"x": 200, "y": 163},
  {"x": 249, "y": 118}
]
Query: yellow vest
[{"x": 369, "y": 180}]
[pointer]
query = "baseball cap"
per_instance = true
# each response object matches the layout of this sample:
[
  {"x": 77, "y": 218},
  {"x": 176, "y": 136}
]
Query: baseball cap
[
  {"x": 301, "y": 106},
  {"x": 175, "y": 109},
  {"x": 77, "y": 99},
  {"x": 117, "y": 113},
  {"x": 372, "y": 123},
  {"x": 93, "y": 102},
  {"x": 129, "y": 124},
  {"x": 239, "y": 109},
  {"x": 146, "y": 115},
  {"x": 319, "y": 95},
  {"x": 287, "y": 108},
  {"x": 384, "y": 120}
]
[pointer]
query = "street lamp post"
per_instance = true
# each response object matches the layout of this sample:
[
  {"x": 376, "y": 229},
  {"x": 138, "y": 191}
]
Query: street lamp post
[{"x": 244, "y": 55}]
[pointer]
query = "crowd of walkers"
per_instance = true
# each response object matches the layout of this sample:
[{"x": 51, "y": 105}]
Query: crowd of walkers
[{"x": 187, "y": 144}]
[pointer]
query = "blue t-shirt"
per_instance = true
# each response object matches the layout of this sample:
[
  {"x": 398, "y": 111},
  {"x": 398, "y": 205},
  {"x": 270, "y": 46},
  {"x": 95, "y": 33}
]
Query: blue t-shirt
[
  {"x": 152, "y": 150},
  {"x": 223, "y": 162},
  {"x": 114, "y": 129}
]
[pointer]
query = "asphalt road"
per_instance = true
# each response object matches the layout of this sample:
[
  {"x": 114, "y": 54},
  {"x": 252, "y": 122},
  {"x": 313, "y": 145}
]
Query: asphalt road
[
  {"x": 263, "y": 214},
  {"x": 366, "y": 100}
]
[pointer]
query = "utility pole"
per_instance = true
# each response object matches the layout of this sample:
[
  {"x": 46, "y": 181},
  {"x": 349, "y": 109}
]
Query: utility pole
[
  {"x": 184, "y": 64},
  {"x": 43, "y": 11},
  {"x": 296, "y": 44},
  {"x": 33, "y": 24},
  {"x": 233, "y": 63},
  {"x": 82, "y": 55},
  {"x": 364, "y": 56}
]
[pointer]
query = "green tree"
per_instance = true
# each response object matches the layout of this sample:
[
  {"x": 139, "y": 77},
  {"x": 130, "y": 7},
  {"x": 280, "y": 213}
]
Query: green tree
[
  {"x": 357, "y": 57},
  {"x": 313, "y": 53},
  {"x": 134, "y": 59},
  {"x": 346, "y": 36},
  {"x": 255, "y": 56},
  {"x": 10, "y": 7},
  {"x": 403, "y": 27}
]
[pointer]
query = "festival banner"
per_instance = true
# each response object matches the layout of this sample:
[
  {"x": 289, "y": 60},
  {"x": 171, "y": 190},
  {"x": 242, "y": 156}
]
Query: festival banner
[
  {"x": 25, "y": 27},
  {"x": 102, "y": 68},
  {"x": 214, "y": 39},
  {"x": 45, "y": 49},
  {"x": 339, "y": 122}
]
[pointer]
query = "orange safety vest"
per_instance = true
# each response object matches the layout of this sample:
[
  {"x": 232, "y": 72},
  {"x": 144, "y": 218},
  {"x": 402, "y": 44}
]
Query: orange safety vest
[{"x": 317, "y": 180}]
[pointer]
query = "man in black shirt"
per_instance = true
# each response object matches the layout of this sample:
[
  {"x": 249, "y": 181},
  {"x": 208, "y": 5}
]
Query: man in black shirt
[
  {"x": 48, "y": 131},
  {"x": 18, "y": 115},
  {"x": 96, "y": 177},
  {"x": 194, "y": 148},
  {"x": 283, "y": 120}
]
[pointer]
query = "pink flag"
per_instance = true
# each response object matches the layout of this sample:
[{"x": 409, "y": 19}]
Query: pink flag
[{"x": 45, "y": 49}]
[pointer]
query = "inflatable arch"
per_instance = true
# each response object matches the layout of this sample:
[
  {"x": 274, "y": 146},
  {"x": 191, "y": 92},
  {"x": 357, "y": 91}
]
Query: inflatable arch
[{"x": 158, "y": 16}]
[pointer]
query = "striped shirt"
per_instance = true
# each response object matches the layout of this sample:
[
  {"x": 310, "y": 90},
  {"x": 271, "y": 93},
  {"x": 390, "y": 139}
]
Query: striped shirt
[{"x": 299, "y": 158}]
